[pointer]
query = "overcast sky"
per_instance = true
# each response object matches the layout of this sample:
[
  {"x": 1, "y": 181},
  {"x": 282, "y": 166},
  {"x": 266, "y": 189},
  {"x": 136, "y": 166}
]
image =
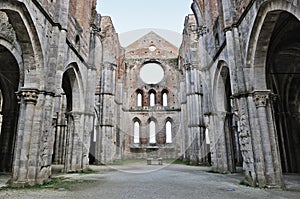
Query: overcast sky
[{"x": 128, "y": 15}]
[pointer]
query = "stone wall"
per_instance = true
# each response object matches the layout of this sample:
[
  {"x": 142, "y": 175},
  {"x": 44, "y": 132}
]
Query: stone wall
[
  {"x": 52, "y": 72},
  {"x": 151, "y": 49},
  {"x": 245, "y": 126}
]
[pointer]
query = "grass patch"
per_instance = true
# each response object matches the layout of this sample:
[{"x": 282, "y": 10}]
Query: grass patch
[
  {"x": 244, "y": 183},
  {"x": 178, "y": 161},
  {"x": 184, "y": 162},
  {"x": 85, "y": 171},
  {"x": 88, "y": 171},
  {"x": 217, "y": 172},
  {"x": 60, "y": 183}
]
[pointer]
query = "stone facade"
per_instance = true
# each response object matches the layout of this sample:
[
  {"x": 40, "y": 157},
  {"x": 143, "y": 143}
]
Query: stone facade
[
  {"x": 47, "y": 78},
  {"x": 151, "y": 50},
  {"x": 248, "y": 106},
  {"x": 71, "y": 95}
]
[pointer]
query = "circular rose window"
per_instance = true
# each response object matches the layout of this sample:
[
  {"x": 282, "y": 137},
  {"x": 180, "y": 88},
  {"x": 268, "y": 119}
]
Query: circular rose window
[{"x": 152, "y": 73}]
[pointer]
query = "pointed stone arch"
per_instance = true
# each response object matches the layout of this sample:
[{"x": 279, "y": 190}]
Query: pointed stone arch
[
  {"x": 272, "y": 19},
  {"x": 259, "y": 39},
  {"x": 10, "y": 83},
  {"x": 33, "y": 144},
  {"x": 282, "y": 79},
  {"x": 224, "y": 137},
  {"x": 71, "y": 113},
  {"x": 27, "y": 41},
  {"x": 72, "y": 84}
]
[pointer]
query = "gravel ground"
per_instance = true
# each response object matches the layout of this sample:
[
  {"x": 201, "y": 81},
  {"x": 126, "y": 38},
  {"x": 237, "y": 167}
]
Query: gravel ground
[{"x": 151, "y": 181}]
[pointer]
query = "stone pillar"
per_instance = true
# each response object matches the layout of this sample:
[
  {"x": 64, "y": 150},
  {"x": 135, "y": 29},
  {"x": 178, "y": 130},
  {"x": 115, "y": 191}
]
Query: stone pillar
[
  {"x": 195, "y": 120},
  {"x": 86, "y": 139},
  {"x": 45, "y": 139},
  {"x": 106, "y": 124},
  {"x": 74, "y": 143},
  {"x": 267, "y": 135},
  {"x": 183, "y": 119},
  {"x": 60, "y": 128},
  {"x": 238, "y": 87},
  {"x": 24, "y": 140},
  {"x": 98, "y": 144}
]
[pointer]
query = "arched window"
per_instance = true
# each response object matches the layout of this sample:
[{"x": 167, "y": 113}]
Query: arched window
[
  {"x": 136, "y": 132},
  {"x": 165, "y": 99},
  {"x": 152, "y": 98},
  {"x": 152, "y": 132},
  {"x": 168, "y": 132},
  {"x": 139, "y": 99}
]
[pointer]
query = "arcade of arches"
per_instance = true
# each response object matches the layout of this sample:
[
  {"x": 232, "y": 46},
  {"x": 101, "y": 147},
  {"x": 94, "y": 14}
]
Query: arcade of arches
[{"x": 228, "y": 97}]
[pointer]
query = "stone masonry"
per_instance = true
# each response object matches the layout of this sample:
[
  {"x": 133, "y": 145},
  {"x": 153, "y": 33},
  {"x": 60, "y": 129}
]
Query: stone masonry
[{"x": 228, "y": 97}]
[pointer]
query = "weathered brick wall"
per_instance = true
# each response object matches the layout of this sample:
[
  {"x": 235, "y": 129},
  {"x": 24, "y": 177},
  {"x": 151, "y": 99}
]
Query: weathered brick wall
[
  {"x": 112, "y": 51},
  {"x": 80, "y": 17}
]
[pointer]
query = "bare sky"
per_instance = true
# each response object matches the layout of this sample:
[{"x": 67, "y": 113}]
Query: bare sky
[{"x": 130, "y": 15}]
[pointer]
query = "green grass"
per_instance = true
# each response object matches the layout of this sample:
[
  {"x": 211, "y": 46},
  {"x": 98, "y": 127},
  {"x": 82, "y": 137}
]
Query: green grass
[
  {"x": 217, "y": 172},
  {"x": 244, "y": 183},
  {"x": 128, "y": 161},
  {"x": 86, "y": 171},
  {"x": 54, "y": 183},
  {"x": 178, "y": 161}
]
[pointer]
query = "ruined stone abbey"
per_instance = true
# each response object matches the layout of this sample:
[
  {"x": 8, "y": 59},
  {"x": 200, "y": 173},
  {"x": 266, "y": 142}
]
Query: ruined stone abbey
[{"x": 70, "y": 94}]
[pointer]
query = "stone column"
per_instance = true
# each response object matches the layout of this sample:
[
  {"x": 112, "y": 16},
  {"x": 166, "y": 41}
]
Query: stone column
[
  {"x": 28, "y": 98},
  {"x": 261, "y": 100},
  {"x": 98, "y": 144},
  {"x": 238, "y": 87},
  {"x": 183, "y": 120},
  {"x": 86, "y": 139},
  {"x": 107, "y": 111},
  {"x": 74, "y": 143},
  {"x": 195, "y": 121},
  {"x": 45, "y": 139}
]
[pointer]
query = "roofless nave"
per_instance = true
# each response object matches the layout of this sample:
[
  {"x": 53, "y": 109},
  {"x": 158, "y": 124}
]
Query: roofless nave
[{"x": 70, "y": 94}]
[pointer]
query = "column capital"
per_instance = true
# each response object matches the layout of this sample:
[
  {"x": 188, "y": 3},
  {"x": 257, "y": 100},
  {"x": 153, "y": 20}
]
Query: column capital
[
  {"x": 261, "y": 97},
  {"x": 29, "y": 95},
  {"x": 189, "y": 66},
  {"x": 109, "y": 66}
]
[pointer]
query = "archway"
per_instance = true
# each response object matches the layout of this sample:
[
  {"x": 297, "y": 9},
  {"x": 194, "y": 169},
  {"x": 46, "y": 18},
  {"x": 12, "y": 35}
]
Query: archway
[
  {"x": 68, "y": 139},
  {"x": 31, "y": 143},
  {"x": 283, "y": 79},
  {"x": 225, "y": 140},
  {"x": 274, "y": 36},
  {"x": 9, "y": 85}
]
